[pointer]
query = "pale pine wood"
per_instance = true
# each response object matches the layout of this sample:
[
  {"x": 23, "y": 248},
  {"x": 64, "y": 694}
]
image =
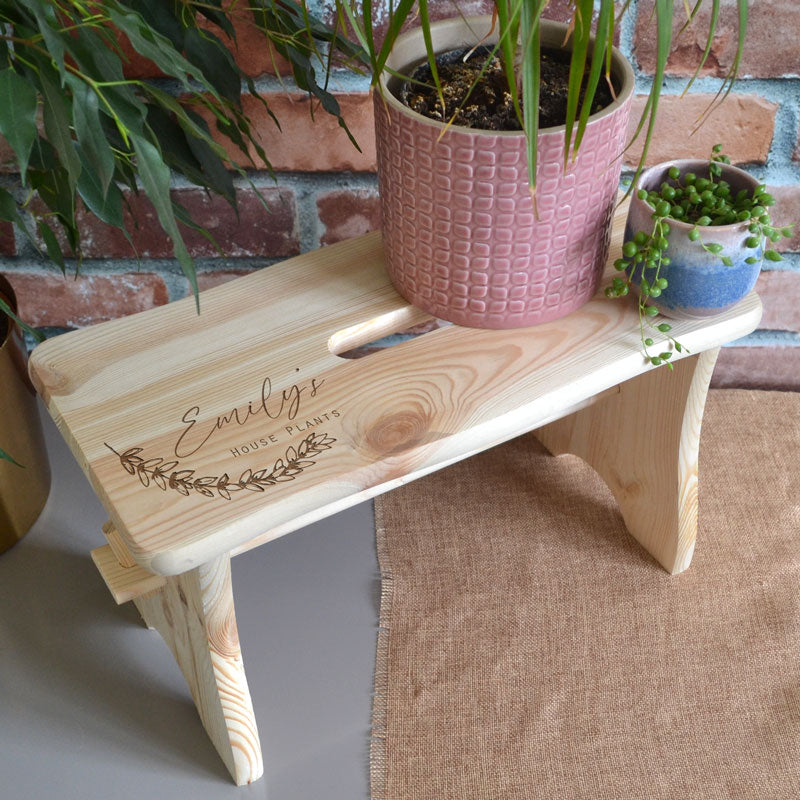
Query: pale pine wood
[
  {"x": 318, "y": 514},
  {"x": 402, "y": 413},
  {"x": 644, "y": 442},
  {"x": 194, "y": 613},
  {"x": 124, "y": 583},
  {"x": 117, "y": 545},
  {"x": 157, "y": 407}
]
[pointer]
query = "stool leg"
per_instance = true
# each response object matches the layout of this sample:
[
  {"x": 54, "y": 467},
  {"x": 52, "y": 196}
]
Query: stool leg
[
  {"x": 194, "y": 613},
  {"x": 644, "y": 442}
]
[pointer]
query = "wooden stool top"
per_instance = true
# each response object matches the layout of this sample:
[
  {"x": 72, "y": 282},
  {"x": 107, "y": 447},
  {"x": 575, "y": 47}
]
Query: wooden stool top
[{"x": 204, "y": 434}]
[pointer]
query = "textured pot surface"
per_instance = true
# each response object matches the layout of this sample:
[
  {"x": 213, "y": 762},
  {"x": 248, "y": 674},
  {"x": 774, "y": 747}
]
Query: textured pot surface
[
  {"x": 23, "y": 490},
  {"x": 460, "y": 235},
  {"x": 699, "y": 284}
]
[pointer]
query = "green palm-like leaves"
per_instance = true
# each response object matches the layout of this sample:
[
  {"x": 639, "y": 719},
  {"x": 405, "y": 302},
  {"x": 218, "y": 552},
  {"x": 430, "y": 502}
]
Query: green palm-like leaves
[
  {"x": 520, "y": 50},
  {"x": 663, "y": 9},
  {"x": 530, "y": 34},
  {"x": 581, "y": 33},
  {"x": 604, "y": 35}
]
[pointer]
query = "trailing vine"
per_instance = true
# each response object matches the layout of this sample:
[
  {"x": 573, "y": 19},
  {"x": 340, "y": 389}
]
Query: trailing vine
[{"x": 703, "y": 203}]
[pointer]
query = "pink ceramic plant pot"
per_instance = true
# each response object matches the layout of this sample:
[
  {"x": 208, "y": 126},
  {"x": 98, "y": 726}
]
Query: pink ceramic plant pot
[{"x": 459, "y": 232}]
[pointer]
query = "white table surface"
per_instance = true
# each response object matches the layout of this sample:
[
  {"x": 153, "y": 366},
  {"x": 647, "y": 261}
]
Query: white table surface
[{"x": 92, "y": 704}]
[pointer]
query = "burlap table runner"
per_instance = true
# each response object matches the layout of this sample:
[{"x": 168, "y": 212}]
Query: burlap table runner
[{"x": 529, "y": 648}]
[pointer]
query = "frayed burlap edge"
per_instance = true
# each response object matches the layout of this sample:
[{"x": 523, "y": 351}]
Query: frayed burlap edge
[{"x": 377, "y": 748}]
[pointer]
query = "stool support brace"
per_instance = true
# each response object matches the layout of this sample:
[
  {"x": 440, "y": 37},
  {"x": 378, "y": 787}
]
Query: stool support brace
[
  {"x": 194, "y": 614},
  {"x": 644, "y": 442}
]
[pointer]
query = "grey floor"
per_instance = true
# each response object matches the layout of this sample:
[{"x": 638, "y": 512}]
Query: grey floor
[{"x": 92, "y": 704}]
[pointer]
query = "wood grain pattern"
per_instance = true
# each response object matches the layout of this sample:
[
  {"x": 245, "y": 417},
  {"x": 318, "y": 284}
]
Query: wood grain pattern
[
  {"x": 186, "y": 397},
  {"x": 644, "y": 442},
  {"x": 194, "y": 614},
  {"x": 124, "y": 583},
  {"x": 117, "y": 545}
]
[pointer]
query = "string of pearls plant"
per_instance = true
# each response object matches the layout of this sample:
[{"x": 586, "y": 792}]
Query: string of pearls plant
[{"x": 703, "y": 203}]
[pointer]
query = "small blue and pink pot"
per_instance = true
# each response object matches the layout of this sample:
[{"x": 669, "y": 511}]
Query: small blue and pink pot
[{"x": 700, "y": 285}]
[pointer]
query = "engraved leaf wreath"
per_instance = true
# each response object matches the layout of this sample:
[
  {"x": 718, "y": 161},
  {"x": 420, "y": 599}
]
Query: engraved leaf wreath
[{"x": 164, "y": 475}]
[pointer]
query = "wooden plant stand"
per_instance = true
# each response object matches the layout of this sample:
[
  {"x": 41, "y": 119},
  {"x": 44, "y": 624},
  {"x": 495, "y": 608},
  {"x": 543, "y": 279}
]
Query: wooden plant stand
[{"x": 205, "y": 436}]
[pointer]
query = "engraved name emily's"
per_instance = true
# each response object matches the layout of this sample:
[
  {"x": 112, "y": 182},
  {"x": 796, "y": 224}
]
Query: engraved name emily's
[{"x": 283, "y": 405}]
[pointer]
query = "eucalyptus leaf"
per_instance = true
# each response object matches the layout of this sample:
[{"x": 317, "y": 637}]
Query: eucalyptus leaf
[
  {"x": 215, "y": 175},
  {"x": 89, "y": 131},
  {"x": 102, "y": 131},
  {"x": 6, "y": 308},
  {"x": 18, "y": 115},
  {"x": 202, "y": 47},
  {"x": 173, "y": 142},
  {"x": 191, "y": 156},
  {"x": 58, "y": 194},
  {"x": 57, "y": 127},
  {"x": 183, "y": 116},
  {"x": 49, "y": 27},
  {"x": 163, "y": 16},
  {"x": 43, "y": 155},
  {"x": 157, "y": 48},
  {"x": 52, "y": 245},
  {"x": 104, "y": 202},
  {"x": 183, "y": 216},
  {"x": 155, "y": 177},
  {"x": 8, "y": 207},
  {"x": 9, "y": 211},
  {"x": 213, "y": 12}
]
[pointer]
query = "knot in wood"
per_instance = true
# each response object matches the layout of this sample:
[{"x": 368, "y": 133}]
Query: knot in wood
[
  {"x": 224, "y": 638},
  {"x": 397, "y": 432}
]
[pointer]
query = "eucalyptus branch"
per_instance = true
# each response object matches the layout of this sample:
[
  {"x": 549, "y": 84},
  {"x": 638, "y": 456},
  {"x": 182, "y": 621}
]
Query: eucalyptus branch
[
  {"x": 80, "y": 128},
  {"x": 167, "y": 476}
]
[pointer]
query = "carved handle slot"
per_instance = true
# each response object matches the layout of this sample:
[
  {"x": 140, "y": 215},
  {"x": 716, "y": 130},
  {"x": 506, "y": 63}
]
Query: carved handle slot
[{"x": 343, "y": 342}]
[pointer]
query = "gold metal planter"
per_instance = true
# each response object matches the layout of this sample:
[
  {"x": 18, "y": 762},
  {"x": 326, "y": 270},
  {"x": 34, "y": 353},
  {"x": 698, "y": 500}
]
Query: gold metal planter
[{"x": 23, "y": 490}]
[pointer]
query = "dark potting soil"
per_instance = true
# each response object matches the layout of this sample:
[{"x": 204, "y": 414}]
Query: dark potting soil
[{"x": 489, "y": 105}]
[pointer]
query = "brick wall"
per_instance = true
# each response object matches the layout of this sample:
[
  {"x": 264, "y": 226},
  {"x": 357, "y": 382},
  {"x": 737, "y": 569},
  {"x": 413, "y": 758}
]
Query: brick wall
[{"x": 326, "y": 190}]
